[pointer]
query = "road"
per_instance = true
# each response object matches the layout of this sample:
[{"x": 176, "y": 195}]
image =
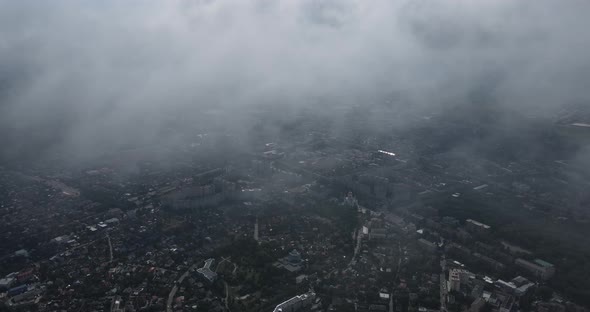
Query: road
[
  {"x": 443, "y": 286},
  {"x": 399, "y": 261},
  {"x": 226, "y": 295},
  {"x": 391, "y": 302},
  {"x": 228, "y": 259},
  {"x": 220, "y": 262},
  {"x": 82, "y": 306},
  {"x": 110, "y": 247},
  {"x": 443, "y": 292},
  {"x": 399, "y": 268},
  {"x": 175, "y": 288},
  {"x": 357, "y": 248}
]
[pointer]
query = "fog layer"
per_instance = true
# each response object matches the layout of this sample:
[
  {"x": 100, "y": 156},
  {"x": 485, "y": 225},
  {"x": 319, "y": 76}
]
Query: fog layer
[{"x": 89, "y": 74}]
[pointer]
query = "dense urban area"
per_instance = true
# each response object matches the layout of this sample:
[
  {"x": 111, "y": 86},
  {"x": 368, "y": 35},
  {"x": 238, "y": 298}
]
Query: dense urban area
[{"x": 371, "y": 218}]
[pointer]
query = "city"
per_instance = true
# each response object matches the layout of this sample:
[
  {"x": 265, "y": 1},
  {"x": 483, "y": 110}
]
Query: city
[
  {"x": 294, "y": 156},
  {"x": 314, "y": 223}
]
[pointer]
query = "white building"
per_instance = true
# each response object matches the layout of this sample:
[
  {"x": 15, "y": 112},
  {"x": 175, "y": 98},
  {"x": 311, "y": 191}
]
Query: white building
[{"x": 295, "y": 303}]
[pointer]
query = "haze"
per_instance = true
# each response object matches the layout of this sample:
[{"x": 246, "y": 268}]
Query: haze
[{"x": 82, "y": 76}]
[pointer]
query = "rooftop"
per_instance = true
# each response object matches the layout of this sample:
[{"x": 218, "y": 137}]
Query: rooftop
[
  {"x": 206, "y": 271},
  {"x": 285, "y": 306},
  {"x": 543, "y": 263},
  {"x": 485, "y": 226}
]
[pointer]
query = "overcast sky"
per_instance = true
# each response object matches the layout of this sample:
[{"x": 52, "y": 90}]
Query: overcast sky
[{"x": 108, "y": 70}]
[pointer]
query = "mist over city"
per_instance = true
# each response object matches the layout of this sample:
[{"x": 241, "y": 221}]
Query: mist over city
[{"x": 314, "y": 155}]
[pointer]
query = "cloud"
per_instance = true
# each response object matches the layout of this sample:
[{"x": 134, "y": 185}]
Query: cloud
[{"x": 94, "y": 73}]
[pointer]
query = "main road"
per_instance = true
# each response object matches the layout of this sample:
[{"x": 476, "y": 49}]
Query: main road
[
  {"x": 357, "y": 247},
  {"x": 443, "y": 285},
  {"x": 110, "y": 247},
  {"x": 175, "y": 288}
]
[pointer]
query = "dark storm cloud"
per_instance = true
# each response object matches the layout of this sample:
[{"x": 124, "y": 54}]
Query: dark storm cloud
[{"x": 92, "y": 73}]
